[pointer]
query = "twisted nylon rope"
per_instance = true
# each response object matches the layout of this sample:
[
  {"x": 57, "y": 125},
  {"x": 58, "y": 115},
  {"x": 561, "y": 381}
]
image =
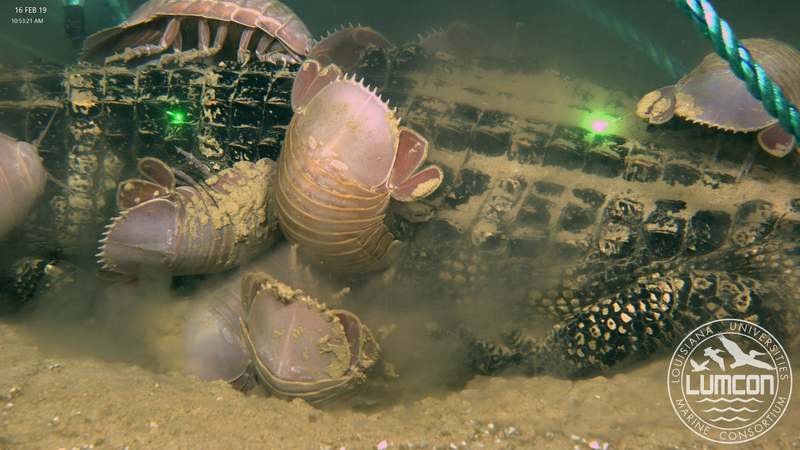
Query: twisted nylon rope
[{"x": 742, "y": 64}]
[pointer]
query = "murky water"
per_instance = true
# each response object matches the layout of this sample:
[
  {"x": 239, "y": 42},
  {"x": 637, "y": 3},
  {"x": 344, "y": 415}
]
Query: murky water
[{"x": 521, "y": 239}]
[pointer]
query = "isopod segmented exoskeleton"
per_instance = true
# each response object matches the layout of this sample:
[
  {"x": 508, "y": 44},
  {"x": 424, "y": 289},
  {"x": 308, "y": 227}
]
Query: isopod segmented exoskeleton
[
  {"x": 343, "y": 158},
  {"x": 183, "y": 230},
  {"x": 22, "y": 180},
  {"x": 156, "y": 25}
]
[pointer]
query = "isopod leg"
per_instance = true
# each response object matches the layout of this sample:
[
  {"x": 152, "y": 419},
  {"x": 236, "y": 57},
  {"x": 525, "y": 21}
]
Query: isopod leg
[
  {"x": 277, "y": 52},
  {"x": 776, "y": 141},
  {"x": 204, "y": 38},
  {"x": 263, "y": 46},
  {"x": 219, "y": 38},
  {"x": 308, "y": 71},
  {"x": 658, "y": 106},
  {"x": 177, "y": 44},
  {"x": 171, "y": 32},
  {"x": 204, "y": 34},
  {"x": 157, "y": 171},
  {"x": 411, "y": 152},
  {"x": 136, "y": 192},
  {"x": 243, "y": 54},
  {"x": 419, "y": 186}
]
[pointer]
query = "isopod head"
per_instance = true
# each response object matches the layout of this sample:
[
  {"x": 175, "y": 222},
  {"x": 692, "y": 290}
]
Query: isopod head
[
  {"x": 347, "y": 129},
  {"x": 301, "y": 349}
]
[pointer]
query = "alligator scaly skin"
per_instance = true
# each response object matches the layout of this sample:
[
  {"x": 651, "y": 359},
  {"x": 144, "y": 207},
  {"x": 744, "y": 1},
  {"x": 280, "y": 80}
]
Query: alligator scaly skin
[
  {"x": 629, "y": 243},
  {"x": 639, "y": 321},
  {"x": 108, "y": 117},
  {"x": 535, "y": 213},
  {"x": 519, "y": 191}
]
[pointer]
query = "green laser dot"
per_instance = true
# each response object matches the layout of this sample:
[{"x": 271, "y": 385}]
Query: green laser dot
[
  {"x": 176, "y": 117},
  {"x": 598, "y": 126},
  {"x": 599, "y": 123}
]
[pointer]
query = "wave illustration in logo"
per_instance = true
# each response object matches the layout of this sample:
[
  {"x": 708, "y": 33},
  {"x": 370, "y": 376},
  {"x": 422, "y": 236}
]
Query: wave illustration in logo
[
  {"x": 731, "y": 409},
  {"x": 729, "y": 380},
  {"x": 731, "y": 400},
  {"x": 729, "y": 420}
]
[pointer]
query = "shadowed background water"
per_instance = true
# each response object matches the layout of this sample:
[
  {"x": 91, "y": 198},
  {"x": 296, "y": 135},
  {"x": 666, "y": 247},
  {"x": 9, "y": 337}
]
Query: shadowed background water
[{"x": 555, "y": 32}]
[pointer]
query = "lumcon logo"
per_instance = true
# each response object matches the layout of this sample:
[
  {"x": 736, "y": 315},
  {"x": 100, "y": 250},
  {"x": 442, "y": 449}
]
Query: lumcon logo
[{"x": 729, "y": 381}]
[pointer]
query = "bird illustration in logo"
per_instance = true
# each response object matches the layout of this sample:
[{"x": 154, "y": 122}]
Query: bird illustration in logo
[
  {"x": 741, "y": 358},
  {"x": 699, "y": 367},
  {"x": 712, "y": 353}
]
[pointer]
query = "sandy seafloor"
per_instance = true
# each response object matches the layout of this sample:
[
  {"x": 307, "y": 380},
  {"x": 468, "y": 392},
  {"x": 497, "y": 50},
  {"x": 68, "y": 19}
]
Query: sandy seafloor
[{"x": 82, "y": 403}]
